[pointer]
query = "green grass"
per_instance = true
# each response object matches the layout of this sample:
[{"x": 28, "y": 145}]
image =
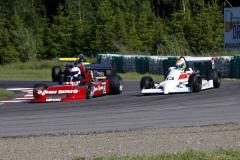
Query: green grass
[
  {"x": 5, "y": 94},
  {"x": 188, "y": 155},
  {"x": 32, "y": 70},
  {"x": 42, "y": 70},
  {"x": 138, "y": 76}
]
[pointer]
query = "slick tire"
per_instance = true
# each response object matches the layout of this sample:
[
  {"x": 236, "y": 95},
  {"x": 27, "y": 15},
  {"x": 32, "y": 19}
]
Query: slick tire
[
  {"x": 56, "y": 73},
  {"x": 195, "y": 82},
  {"x": 115, "y": 84},
  {"x": 89, "y": 89},
  {"x": 146, "y": 82},
  {"x": 214, "y": 75}
]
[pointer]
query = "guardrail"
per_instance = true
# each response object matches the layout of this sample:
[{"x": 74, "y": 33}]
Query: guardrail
[{"x": 229, "y": 66}]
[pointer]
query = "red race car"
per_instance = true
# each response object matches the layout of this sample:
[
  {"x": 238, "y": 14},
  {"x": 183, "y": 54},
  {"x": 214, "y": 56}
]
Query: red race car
[{"x": 79, "y": 82}]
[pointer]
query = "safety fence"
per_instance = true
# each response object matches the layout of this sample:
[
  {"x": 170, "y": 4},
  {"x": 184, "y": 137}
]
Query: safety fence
[{"x": 229, "y": 66}]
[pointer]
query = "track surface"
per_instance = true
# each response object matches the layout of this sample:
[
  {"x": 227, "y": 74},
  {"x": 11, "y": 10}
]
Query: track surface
[{"x": 130, "y": 110}]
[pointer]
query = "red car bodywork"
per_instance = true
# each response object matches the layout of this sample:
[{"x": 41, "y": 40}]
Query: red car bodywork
[{"x": 70, "y": 91}]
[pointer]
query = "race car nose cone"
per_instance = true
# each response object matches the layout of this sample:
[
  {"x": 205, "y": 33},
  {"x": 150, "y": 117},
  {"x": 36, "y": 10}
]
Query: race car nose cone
[
  {"x": 165, "y": 91},
  {"x": 168, "y": 87}
]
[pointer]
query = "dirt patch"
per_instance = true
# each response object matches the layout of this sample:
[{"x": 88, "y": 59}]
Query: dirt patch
[{"x": 121, "y": 143}]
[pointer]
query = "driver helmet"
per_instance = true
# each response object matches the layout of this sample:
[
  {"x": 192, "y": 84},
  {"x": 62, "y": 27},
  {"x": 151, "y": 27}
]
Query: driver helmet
[
  {"x": 181, "y": 64},
  {"x": 75, "y": 72},
  {"x": 82, "y": 60}
]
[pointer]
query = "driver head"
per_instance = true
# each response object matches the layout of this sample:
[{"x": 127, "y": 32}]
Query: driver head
[
  {"x": 75, "y": 71},
  {"x": 181, "y": 64}
]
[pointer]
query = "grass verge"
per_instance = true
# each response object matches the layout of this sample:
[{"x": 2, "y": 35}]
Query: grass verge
[
  {"x": 42, "y": 70},
  {"x": 188, "y": 155},
  {"x": 5, "y": 94}
]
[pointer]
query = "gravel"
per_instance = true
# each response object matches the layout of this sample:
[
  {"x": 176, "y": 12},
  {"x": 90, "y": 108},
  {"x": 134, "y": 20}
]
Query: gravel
[{"x": 121, "y": 143}]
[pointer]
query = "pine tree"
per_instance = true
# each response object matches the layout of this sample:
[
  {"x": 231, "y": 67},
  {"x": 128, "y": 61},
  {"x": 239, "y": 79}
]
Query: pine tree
[
  {"x": 103, "y": 29},
  {"x": 61, "y": 32},
  {"x": 145, "y": 26}
]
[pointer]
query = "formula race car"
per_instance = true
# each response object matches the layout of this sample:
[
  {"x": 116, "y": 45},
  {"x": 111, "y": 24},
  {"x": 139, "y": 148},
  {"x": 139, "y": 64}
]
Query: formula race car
[
  {"x": 181, "y": 79},
  {"x": 77, "y": 82}
]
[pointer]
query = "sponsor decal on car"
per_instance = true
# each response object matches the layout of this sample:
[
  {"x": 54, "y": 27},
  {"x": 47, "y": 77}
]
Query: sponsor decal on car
[
  {"x": 73, "y": 83},
  {"x": 67, "y": 91},
  {"x": 205, "y": 84},
  {"x": 53, "y": 99},
  {"x": 104, "y": 88},
  {"x": 98, "y": 88},
  {"x": 44, "y": 92}
]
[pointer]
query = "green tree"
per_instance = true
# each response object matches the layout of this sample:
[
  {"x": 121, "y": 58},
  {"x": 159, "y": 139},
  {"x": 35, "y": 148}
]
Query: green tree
[
  {"x": 145, "y": 27},
  {"x": 103, "y": 29},
  {"x": 8, "y": 52},
  {"x": 61, "y": 32}
]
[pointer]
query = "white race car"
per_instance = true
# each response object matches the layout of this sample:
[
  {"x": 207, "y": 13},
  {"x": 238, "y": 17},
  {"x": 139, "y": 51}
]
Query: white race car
[{"x": 178, "y": 81}]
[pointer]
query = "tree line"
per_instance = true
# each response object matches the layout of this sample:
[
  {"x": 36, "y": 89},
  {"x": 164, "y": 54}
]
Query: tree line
[{"x": 43, "y": 29}]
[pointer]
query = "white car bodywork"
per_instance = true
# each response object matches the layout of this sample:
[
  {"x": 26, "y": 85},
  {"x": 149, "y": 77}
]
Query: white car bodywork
[{"x": 176, "y": 82}]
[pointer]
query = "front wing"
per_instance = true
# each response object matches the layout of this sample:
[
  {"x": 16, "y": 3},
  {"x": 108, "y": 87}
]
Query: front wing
[{"x": 205, "y": 85}]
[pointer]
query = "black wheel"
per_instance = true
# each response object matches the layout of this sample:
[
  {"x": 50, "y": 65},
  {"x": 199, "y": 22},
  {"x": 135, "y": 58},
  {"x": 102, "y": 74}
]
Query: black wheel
[
  {"x": 56, "y": 73},
  {"x": 115, "y": 84},
  {"x": 214, "y": 75},
  {"x": 146, "y": 82},
  {"x": 40, "y": 86},
  {"x": 89, "y": 89},
  {"x": 195, "y": 82}
]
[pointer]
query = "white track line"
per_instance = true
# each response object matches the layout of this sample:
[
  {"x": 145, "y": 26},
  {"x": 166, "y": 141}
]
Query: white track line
[
  {"x": 11, "y": 101},
  {"x": 12, "y": 89},
  {"x": 29, "y": 95},
  {"x": 25, "y": 98}
]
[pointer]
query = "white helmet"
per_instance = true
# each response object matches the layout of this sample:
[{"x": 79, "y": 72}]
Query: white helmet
[{"x": 75, "y": 71}]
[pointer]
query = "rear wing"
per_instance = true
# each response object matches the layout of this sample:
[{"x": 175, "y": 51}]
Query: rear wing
[
  {"x": 107, "y": 68},
  {"x": 98, "y": 66},
  {"x": 201, "y": 59},
  {"x": 69, "y": 60}
]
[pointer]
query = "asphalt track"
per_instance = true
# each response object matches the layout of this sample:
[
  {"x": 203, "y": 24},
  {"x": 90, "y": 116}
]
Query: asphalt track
[{"x": 129, "y": 110}]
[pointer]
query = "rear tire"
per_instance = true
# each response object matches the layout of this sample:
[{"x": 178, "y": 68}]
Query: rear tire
[
  {"x": 214, "y": 75},
  {"x": 195, "y": 82},
  {"x": 115, "y": 84},
  {"x": 89, "y": 89},
  {"x": 56, "y": 73},
  {"x": 146, "y": 82}
]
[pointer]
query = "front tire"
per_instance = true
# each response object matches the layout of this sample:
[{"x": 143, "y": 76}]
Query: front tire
[
  {"x": 115, "y": 84},
  {"x": 56, "y": 73},
  {"x": 214, "y": 75},
  {"x": 89, "y": 89},
  {"x": 195, "y": 82},
  {"x": 146, "y": 82}
]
